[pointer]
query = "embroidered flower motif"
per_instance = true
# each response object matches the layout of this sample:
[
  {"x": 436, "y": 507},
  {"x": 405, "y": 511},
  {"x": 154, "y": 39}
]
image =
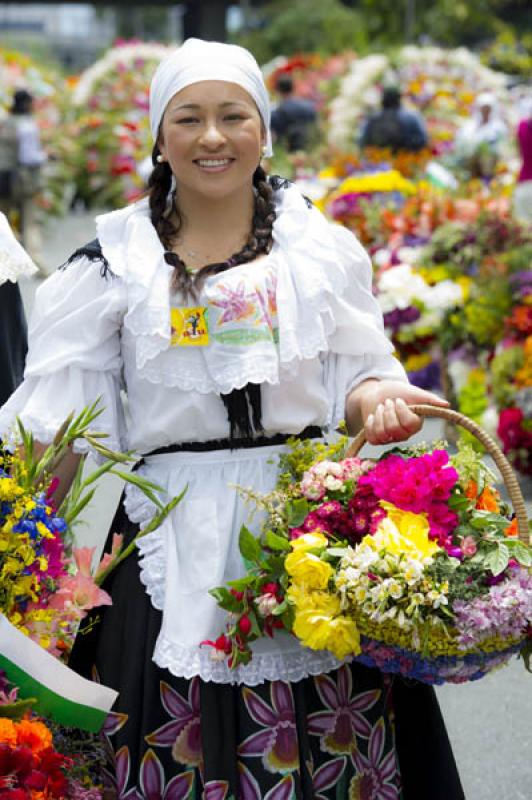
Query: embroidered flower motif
[
  {"x": 120, "y": 781},
  {"x": 327, "y": 776},
  {"x": 340, "y": 726},
  {"x": 152, "y": 781},
  {"x": 183, "y": 732},
  {"x": 250, "y": 789},
  {"x": 376, "y": 775},
  {"x": 236, "y": 305},
  {"x": 216, "y": 790},
  {"x": 116, "y": 774},
  {"x": 277, "y": 744}
]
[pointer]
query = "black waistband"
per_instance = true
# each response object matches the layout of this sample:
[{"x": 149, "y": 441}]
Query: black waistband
[{"x": 311, "y": 432}]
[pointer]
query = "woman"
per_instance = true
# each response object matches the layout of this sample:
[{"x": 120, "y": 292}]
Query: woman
[
  {"x": 237, "y": 315},
  {"x": 14, "y": 262}
]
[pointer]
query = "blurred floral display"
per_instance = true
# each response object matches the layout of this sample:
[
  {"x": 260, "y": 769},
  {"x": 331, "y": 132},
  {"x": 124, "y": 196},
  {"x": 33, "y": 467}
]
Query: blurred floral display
[
  {"x": 52, "y": 104},
  {"x": 111, "y": 124}
]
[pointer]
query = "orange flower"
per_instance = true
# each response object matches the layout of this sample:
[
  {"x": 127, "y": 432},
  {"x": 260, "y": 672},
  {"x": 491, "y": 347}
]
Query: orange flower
[
  {"x": 8, "y": 733},
  {"x": 511, "y": 530},
  {"x": 471, "y": 490},
  {"x": 34, "y": 735},
  {"x": 488, "y": 500}
]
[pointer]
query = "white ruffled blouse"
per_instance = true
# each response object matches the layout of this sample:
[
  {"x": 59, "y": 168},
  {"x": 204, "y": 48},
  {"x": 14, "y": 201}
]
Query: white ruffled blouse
[
  {"x": 301, "y": 321},
  {"x": 14, "y": 261}
]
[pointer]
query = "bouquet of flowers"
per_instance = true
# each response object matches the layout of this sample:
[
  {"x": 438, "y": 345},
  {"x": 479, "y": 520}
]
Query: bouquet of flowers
[
  {"x": 412, "y": 564},
  {"x": 47, "y": 584}
]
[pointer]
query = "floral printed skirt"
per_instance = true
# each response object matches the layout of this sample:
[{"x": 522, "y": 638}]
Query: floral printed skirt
[{"x": 352, "y": 733}]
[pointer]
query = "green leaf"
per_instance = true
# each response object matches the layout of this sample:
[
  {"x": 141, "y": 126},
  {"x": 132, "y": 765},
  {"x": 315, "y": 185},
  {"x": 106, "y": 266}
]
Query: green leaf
[
  {"x": 225, "y": 599},
  {"x": 297, "y": 511},
  {"x": 74, "y": 512},
  {"x": 520, "y": 551},
  {"x": 250, "y": 548},
  {"x": 242, "y": 583},
  {"x": 458, "y": 502},
  {"x": 281, "y": 608},
  {"x": 256, "y": 630},
  {"x": 276, "y": 542},
  {"x": 497, "y": 559},
  {"x": 337, "y": 552}
]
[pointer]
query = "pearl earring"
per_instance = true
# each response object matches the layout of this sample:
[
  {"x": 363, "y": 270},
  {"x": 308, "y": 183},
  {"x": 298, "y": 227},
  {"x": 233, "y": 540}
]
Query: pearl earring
[
  {"x": 264, "y": 149},
  {"x": 160, "y": 159}
]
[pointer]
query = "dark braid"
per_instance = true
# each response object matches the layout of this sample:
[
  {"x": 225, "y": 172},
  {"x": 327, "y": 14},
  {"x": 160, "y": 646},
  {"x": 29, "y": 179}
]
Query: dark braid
[
  {"x": 259, "y": 241},
  {"x": 159, "y": 184}
]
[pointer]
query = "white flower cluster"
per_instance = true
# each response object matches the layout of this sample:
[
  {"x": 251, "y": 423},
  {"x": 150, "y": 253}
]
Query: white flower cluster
[
  {"x": 386, "y": 586},
  {"x": 125, "y": 56},
  {"x": 400, "y": 287}
]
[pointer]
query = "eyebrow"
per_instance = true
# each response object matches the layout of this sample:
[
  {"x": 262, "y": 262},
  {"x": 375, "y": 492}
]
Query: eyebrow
[{"x": 195, "y": 106}]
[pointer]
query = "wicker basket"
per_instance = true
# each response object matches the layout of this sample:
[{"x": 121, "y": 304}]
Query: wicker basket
[{"x": 392, "y": 649}]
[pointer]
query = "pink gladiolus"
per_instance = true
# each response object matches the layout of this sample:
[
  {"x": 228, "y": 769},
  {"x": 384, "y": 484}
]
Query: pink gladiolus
[
  {"x": 83, "y": 557},
  {"x": 81, "y": 591},
  {"x": 108, "y": 558}
]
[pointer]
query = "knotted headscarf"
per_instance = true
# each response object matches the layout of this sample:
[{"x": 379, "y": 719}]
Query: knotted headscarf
[{"x": 197, "y": 60}]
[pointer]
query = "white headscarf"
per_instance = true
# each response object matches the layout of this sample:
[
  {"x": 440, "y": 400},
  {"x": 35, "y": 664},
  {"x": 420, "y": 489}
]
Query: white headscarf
[{"x": 197, "y": 60}]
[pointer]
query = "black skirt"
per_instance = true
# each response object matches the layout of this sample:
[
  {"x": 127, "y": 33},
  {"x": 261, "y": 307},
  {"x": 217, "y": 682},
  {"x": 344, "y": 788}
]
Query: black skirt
[
  {"x": 13, "y": 339},
  {"x": 353, "y": 733}
]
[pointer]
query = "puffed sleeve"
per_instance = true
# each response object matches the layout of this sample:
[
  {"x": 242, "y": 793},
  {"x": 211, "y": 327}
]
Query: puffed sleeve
[
  {"x": 74, "y": 355},
  {"x": 358, "y": 346}
]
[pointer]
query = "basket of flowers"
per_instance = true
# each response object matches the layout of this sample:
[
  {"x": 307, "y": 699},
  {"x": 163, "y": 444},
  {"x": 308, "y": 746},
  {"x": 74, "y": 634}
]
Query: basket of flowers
[{"x": 411, "y": 563}]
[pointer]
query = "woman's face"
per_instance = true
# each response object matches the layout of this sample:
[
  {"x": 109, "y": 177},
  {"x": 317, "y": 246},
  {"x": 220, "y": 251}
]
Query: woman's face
[{"x": 211, "y": 136}]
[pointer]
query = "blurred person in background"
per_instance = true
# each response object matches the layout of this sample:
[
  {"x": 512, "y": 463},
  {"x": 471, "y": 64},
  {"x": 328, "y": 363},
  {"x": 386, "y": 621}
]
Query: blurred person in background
[
  {"x": 478, "y": 143},
  {"x": 522, "y": 200},
  {"x": 393, "y": 127},
  {"x": 21, "y": 159},
  {"x": 293, "y": 118}
]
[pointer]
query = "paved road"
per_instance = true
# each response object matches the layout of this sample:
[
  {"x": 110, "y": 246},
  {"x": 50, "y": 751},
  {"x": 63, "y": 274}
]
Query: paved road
[{"x": 489, "y": 722}]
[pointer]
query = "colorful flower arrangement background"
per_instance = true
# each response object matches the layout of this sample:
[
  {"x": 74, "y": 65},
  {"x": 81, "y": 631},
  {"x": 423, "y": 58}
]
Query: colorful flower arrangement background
[
  {"x": 47, "y": 587},
  {"x": 411, "y": 564},
  {"x": 435, "y": 82},
  {"x": 111, "y": 124},
  {"x": 51, "y": 94}
]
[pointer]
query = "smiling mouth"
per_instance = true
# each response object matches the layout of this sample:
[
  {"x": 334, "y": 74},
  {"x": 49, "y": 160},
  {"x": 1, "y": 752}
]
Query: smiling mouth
[{"x": 213, "y": 163}]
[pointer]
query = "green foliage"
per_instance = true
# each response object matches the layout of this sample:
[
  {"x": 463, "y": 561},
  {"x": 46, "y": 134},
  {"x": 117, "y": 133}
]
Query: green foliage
[
  {"x": 503, "y": 369},
  {"x": 510, "y": 53},
  {"x": 305, "y": 26},
  {"x": 448, "y": 23}
]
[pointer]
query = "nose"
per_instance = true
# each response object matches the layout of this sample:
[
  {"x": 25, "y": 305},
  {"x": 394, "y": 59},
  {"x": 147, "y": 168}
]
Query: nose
[{"x": 212, "y": 136}]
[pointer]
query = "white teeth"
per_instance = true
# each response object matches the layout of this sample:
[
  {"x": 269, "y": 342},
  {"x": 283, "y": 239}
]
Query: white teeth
[{"x": 203, "y": 162}]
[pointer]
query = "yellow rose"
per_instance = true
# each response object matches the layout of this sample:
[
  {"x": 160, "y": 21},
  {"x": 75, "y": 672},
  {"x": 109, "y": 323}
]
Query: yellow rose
[
  {"x": 312, "y": 622},
  {"x": 344, "y": 637},
  {"x": 309, "y": 541},
  {"x": 402, "y": 532},
  {"x": 308, "y": 569}
]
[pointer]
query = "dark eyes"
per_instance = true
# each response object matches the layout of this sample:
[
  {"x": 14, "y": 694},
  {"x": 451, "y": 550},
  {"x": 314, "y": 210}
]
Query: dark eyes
[{"x": 226, "y": 118}]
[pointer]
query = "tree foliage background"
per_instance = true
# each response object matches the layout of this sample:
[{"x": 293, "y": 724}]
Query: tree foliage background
[{"x": 290, "y": 26}]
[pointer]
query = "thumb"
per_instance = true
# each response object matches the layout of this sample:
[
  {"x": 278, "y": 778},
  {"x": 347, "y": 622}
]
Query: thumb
[{"x": 422, "y": 396}]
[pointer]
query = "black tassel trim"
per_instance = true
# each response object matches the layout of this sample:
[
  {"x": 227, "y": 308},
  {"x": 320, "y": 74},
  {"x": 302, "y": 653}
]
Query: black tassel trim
[
  {"x": 92, "y": 251},
  {"x": 244, "y": 411},
  {"x": 276, "y": 182}
]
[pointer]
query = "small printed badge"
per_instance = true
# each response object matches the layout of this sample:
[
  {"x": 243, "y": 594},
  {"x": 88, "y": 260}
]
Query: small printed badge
[{"x": 189, "y": 327}]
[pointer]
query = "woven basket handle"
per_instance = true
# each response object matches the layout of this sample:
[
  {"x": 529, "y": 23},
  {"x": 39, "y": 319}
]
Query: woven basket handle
[{"x": 508, "y": 476}]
